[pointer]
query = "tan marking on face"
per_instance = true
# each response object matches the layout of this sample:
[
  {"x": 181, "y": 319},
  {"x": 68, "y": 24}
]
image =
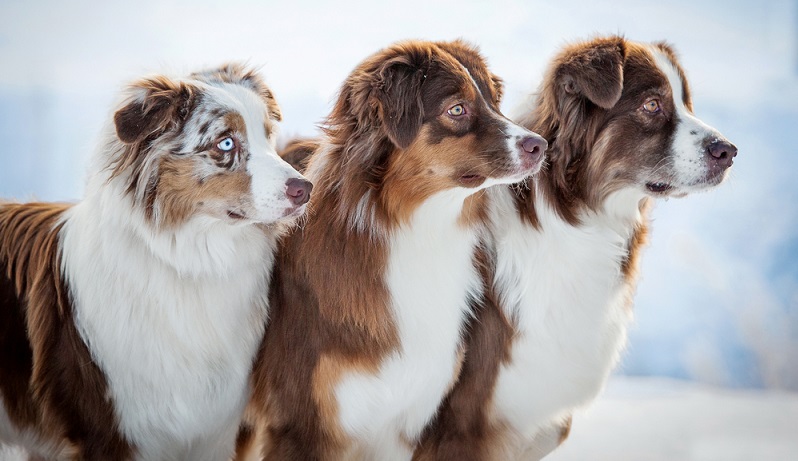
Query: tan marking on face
[
  {"x": 424, "y": 169},
  {"x": 235, "y": 124},
  {"x": 180, "y": 194}
]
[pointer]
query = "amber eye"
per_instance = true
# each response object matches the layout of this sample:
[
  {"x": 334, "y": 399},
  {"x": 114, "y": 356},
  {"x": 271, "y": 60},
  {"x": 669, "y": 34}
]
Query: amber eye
[
  {"x": 456, "y": 110},
  {"x": 651, "y": 106},
  {"x": 226, "y": 145}
]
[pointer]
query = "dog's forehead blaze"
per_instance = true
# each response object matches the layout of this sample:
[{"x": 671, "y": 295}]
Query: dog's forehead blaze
[
  {"x": 650, "y": 69},
  {"x": 475, "y": 68}
]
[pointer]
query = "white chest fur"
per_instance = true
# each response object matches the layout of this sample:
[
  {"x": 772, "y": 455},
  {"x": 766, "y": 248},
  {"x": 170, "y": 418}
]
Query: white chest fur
[
  {"x": 172, "y": 320},
  {"x": 430, "y": 276},
  {"x": 564, "y": 288}
]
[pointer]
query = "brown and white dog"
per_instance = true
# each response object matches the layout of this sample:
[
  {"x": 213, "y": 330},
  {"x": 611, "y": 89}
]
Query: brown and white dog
[
  {"x": 370, "y": 298},
  {"x": 619, "y": 120},
  {"x": 129, "y": 321}
]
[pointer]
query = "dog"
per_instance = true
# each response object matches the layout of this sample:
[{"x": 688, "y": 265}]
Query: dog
[
  {"x": 618, "y": 116},
  {"x": 129, "y": 321},
  {"x": 370, "y": 297}
]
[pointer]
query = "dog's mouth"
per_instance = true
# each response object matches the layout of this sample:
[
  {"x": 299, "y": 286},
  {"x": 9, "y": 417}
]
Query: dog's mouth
[
  {"x": 659, "y": 187},
  {"x": 471, "y": 180},
  {"x": 235, "y": 215}
]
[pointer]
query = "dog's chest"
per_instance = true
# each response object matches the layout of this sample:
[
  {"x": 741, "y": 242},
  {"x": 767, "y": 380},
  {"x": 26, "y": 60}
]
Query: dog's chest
[
  {"x": 430, "y": 276},
  {"x": 176, "y": 351},
  {"x": 564, "y": 288}
]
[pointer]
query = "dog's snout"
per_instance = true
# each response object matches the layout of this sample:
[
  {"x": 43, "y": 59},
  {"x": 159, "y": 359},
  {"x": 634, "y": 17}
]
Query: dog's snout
[
  {"x": 532, "y": 149},
  {"x": 722, "y": 153},
  {"x": 298, "y": 190}
]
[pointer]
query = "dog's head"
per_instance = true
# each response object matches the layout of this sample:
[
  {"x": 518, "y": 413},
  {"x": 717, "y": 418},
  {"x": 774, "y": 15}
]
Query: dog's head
[
  {"x": 619, "y": 115},
  {"x": 205, "y": 145},
  {"x": 418, "y": 118}
]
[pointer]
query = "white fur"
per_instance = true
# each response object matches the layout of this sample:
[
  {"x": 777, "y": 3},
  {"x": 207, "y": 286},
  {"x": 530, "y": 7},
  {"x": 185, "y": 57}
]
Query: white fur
[
  {"x": 430, "y": 276},
  {"x": 172, "y": 318},
  {"x": 269, "y": 172},
  {"x": 563, "y": 287}
]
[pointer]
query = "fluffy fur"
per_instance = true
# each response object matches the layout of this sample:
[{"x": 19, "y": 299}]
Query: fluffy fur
[
  {"x": 618, "y": 116},
  {"x": 129, "y": 321},
  {"x": 371, "y": 296}
]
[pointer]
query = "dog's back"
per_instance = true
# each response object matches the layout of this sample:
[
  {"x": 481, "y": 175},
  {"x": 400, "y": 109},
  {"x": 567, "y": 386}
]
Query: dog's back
[{"x": 37, "y": 328}]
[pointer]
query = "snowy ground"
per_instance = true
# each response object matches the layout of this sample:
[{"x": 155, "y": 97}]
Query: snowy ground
[
  {"x": 656, "y": 419},
  {"x": 648, "y": 419}
]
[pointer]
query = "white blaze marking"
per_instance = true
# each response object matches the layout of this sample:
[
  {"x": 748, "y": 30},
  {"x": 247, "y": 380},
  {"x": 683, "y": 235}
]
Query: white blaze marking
[{"x": 689, "y": 162}]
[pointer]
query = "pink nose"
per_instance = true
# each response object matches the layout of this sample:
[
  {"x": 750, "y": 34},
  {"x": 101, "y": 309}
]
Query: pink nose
[
  {"x": 298, "y": 190},
  {"x": 532, "y": 149}
]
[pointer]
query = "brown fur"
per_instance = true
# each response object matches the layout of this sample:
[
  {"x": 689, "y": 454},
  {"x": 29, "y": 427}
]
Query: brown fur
[
  {"x": 298, "y": 151},
  {"x": 460, "y": 432},
  {"x": 50, "y": 385},
  {"x": 385, "y": 141}
]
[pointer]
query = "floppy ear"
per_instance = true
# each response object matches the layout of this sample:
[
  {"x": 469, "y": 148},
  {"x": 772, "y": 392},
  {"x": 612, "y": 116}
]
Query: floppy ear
[
  {"x": 157, "y": 103},
  {"x": 397, "y": 89},
  {"x": 593, "y": 70}
]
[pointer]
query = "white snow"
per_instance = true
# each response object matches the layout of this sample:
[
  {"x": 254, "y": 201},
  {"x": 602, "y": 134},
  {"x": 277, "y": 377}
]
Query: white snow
[{"x": 657, "y": 419}]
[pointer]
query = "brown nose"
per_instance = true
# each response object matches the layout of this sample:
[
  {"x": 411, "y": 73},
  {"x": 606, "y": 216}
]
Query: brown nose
[
  {"x": 298, "y": 190},
  {"x": 532, "y": 149},
  {"x": 722, "y": 153}
]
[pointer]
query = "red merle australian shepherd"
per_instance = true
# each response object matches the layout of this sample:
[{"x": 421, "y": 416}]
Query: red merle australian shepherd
[
  {"x": 619, "y": 120},
  {"x": 129, "y": 321},
  {"x": 371, "y": 296}
]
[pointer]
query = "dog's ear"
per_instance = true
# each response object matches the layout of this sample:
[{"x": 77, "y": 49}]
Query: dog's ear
[
  {"x": 298, "y": 152},
  {"x": 498, "y": 88},
  {"x": 593, "y": 70},
  {"x": 157, "y": 103},
  {"x": 398, "y": 93}
]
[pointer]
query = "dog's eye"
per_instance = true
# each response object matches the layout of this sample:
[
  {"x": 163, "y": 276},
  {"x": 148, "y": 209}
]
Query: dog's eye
[
  {"x": 651, "y": 106},
  {"x": 456, "y": 110},
  {"x": 226, "y": 145}
]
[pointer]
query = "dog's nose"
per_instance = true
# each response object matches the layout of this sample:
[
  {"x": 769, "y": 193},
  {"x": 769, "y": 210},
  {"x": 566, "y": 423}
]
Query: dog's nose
[
  {"x": 298, "y": 190},
  {"x": 722, "y": 153},
  {"x": 532, "y": 149}
]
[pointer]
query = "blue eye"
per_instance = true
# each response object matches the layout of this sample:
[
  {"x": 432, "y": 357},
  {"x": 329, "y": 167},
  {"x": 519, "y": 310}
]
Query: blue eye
[
  {"x": 227, "y": 144},
  {"x": 456, "y": 110}
]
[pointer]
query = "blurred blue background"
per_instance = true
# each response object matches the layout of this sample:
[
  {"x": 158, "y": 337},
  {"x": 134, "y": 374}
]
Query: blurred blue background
[{"x": 718, "y": 300}]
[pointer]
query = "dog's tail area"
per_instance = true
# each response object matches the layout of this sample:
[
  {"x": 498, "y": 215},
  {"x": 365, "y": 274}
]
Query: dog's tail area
[{"x": 297, "y": 152}]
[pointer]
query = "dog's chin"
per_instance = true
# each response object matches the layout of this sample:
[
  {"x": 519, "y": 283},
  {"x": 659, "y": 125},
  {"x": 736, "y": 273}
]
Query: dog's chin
[
  {"x": 514, "y": 177},
  {"x": 660, "y": 189}
]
